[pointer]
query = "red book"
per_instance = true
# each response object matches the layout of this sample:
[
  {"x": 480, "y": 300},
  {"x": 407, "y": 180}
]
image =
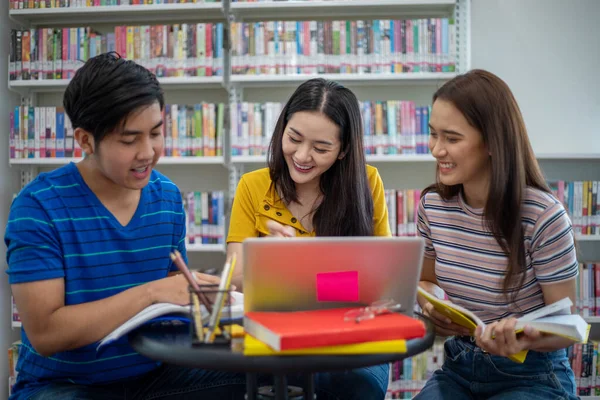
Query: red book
[{"x": 317, "y": 328}]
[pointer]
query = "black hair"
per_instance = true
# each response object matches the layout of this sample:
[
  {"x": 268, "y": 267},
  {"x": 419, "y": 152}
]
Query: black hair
[
  {"x": 347, "y": 205},
  {"x": 106, "y": 90}
]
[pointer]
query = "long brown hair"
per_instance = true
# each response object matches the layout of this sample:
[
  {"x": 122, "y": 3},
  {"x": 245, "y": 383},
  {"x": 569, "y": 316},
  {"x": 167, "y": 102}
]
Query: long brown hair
[
  {"x": 347, "y": 205},
  {"x": 488, "y": 105}
]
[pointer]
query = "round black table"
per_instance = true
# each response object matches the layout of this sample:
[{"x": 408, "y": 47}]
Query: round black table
[{"x": 173, "y": 344}]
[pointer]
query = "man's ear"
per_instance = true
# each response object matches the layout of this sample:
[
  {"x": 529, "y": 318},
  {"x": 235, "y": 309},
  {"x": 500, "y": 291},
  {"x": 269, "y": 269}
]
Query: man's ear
[{"x": 85, "y": 140}]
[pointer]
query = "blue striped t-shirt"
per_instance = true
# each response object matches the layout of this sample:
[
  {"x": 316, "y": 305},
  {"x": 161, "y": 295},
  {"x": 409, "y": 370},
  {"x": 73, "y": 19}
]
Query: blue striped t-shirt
[{"x": 58, "y": 228}]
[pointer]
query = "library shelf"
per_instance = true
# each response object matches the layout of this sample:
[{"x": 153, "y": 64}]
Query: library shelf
[
  {"x": 413, "y": 78},
  {"x": 125, "y": 14},
  {"x": 370, "y": 158},
  {"x": 58, "y": 85},
  {"x": 163, "y": 161},
  {"x": 588, "y": 238},
  {"x": 341, "y": 9}
]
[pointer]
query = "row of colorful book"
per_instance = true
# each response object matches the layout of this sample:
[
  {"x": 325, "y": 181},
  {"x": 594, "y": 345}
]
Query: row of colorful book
[
  {"x": 27, "y": 4},
  {"x": 407, "y": 377},
  {"x": 581, "y": 200},
  {"x": 588, "y": 289},
  {"x": 390, "y": 127},
  {"x": 46, "y": 132},
  {"x": 177, "y": 50},
  {"x": 194, "y": 129},
  {"x": 585, "y": 363},
  {"x": 402, "y": 208},
  {"x": 205, "y": 217},
  {"x": 357, "y": 47}
]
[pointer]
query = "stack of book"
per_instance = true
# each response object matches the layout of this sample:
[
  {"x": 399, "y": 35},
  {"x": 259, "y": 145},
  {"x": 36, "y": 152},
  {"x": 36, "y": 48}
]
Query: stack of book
[{"x": 320, "y": 332}]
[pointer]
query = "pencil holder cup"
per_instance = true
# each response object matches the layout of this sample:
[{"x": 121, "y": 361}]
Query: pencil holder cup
[{"x": 211, "y": 318}]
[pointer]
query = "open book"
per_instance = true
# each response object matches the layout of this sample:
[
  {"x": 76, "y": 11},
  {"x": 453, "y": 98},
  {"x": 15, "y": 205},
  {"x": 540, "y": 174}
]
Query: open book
[
  {"x": 171, "y": 311},
  {"x": 555, "y": 318}
]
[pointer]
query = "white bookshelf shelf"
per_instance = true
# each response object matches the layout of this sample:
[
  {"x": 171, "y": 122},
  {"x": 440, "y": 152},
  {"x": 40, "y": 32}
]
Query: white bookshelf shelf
[
  {"x": 341, "y": 9},
  {"x": 370, "y": 158},
  {"x": 162, "y": 161},
  {"x": 592, "y": 320},
  {"x": 16, "y": 324},
  {"x": 588, "y": 238},
  {"x": 353, "y": 79},
  {"x": 119, "y": 14},
  {"x": 212, "y": 248},
  {"x": 58, "y": 85},
  {"x": 568, "y": 156}
]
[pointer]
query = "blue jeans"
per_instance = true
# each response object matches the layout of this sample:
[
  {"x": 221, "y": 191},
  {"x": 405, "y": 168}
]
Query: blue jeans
[
  {"x": 469, "y": 373},
  {"x": 171, "y": 382}
]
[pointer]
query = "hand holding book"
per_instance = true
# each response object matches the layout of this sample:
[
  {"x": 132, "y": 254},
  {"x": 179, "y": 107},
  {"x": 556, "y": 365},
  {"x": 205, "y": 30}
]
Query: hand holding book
[
  {"x": 553, "y": 319},
  {"x": 502, "y": 338},
  {"x": 444, "y": 325}
]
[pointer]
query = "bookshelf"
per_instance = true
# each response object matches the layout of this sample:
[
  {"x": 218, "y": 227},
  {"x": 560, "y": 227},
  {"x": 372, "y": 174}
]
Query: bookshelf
[
  {"x": 341, "y": 9},
  {"x": 266, "y": 81},
  {"x": 118, "y": 14},
  {"x": 170, "y": 83},
  {"x": 56, "y": 161}
]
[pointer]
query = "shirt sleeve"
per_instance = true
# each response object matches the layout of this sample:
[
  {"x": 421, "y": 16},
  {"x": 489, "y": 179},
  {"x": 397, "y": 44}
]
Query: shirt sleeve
[
  {"x": 381, "y": 222},
  {"x": 33, "y": 251},
  {"x": 553, "y": 254},
  {"x": 424, "y": 230},
  {"x": 243, "y": 217}
]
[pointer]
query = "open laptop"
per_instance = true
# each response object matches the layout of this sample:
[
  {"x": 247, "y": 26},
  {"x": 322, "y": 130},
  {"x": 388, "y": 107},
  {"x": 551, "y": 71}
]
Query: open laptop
[{"x": 283, "y": 274}]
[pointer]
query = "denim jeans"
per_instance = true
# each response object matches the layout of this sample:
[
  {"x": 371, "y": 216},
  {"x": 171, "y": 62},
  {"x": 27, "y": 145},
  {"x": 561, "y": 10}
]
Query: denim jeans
[
  {"x": 171, "y": 382},
  {"x": 470, "y": 373}
]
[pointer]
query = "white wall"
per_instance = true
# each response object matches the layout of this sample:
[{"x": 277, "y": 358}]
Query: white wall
[
  {"x": 9, "y": 184},
  {"x": 548, "y": 52}
]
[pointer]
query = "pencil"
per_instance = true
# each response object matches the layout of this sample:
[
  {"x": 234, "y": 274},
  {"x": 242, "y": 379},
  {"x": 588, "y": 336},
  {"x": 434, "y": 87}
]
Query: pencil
[
  {"x": 178, "y": 260},
  {"x": 197, "y": 316},
  {"x": 224, "y": 285}
]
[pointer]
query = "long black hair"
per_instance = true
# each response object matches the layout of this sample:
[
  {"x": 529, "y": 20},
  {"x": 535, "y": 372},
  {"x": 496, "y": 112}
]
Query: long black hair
[
  {"x": 489, "y": 106},
  {"x": 347, "y": 205}
]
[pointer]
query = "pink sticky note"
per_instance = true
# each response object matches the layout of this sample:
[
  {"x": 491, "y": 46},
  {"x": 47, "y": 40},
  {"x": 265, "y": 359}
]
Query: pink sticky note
[{"x": 337, "y": 286}]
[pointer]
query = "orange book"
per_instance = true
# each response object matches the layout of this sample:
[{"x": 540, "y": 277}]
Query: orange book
[{"x": 320, "y": 328}]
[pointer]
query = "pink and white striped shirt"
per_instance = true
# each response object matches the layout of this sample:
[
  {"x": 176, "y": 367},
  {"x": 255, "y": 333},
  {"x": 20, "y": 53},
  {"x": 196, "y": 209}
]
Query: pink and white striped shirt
[{"x": 470, "y": 265}]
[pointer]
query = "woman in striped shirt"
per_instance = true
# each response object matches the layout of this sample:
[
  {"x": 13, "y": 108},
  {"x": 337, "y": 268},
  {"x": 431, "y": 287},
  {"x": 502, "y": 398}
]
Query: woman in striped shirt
[{"x": 497, "y": 242}]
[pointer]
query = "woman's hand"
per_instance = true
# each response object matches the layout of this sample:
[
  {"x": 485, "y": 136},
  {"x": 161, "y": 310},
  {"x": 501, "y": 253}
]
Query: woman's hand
[
  {"x": 499, "y": 338},
  {"x": 443, "y": 325},
  {"x": 278, "y": 230}
]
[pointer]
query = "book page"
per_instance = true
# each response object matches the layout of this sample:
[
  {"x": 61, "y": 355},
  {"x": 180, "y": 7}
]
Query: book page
[
  {"x": 160, "y": 309},
  {"x": 561, "y": 307}
]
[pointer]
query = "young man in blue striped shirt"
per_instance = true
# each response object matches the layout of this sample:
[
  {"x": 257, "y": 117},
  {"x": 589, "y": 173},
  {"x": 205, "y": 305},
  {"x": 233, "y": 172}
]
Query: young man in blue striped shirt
[{"x": 88, "y": 248}]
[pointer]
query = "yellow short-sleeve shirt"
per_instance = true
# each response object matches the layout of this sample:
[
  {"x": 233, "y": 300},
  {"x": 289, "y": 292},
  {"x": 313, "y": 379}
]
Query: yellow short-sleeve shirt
[{"x": 256, "y": 201}]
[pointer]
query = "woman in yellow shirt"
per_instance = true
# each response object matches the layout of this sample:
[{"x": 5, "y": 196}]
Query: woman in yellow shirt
[{"x": 317, "y": 184}]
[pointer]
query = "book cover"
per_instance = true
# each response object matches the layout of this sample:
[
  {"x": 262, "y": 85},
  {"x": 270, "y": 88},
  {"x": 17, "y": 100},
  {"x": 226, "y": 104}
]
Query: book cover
[
  {"x": 254, "y": 347},
  {"x": 296, "y": 330}
]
